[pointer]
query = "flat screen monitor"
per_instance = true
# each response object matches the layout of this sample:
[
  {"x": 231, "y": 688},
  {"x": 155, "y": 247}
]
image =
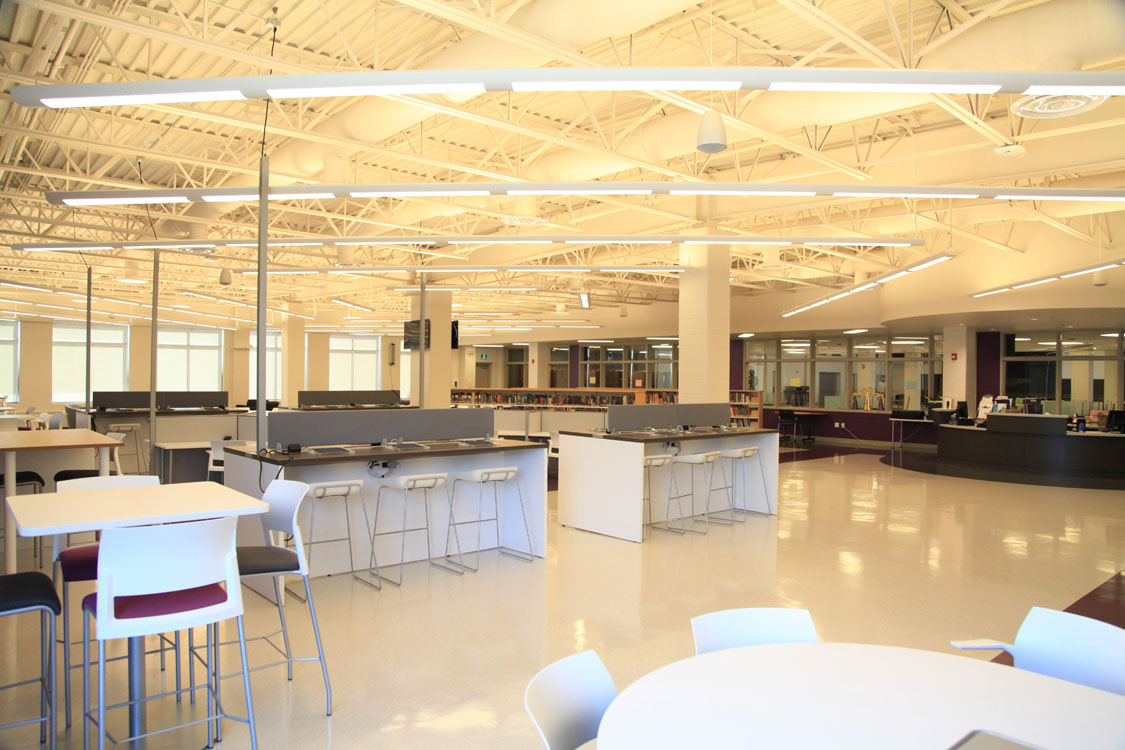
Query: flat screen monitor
[
  {"x": 962, "y": 409},
  {"x": 1115, "y": 421}
]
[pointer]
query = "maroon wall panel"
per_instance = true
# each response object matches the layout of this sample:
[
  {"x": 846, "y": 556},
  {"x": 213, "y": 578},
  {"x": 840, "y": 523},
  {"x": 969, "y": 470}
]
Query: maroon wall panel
[
  {"x": 736, "y": 364},
  {"x": 988, "y": 366}
]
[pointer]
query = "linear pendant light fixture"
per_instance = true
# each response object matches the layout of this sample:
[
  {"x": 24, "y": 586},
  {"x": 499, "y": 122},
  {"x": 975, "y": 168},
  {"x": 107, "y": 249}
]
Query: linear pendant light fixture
[
  {"x": 1102, "y": 265},
  {"x": 428, "y": 243},
  {"x": 889, "y": 276},
  {"x": 566, "y": 189},
  {"x": 423, "y": 82}
]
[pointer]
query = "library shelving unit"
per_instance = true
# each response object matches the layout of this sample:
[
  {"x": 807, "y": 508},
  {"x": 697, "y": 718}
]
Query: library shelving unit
[
  {"x": 567, "y": 399},
  {"x": 745, "y": 408},
  {"x": 653, "y": 396}
]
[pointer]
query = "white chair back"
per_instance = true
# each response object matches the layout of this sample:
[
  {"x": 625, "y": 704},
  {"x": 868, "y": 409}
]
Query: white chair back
[
  {"x": 115, "y": 452},
  {"x": 215, "y": 456},
  {"x": 85, "y": 484},
  {"x": 284, "y": 497},
  {"x": 56, "y": 422},
  {"x": 566, "y": 700},
  {"x": 1072, "y": 647},
  {"x": 733, "y": 628},
  {"x": 144, "y": 560}
]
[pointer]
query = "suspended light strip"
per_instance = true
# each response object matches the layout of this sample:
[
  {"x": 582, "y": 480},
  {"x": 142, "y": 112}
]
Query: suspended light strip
[
  {"x": 1104, "y": 265},
  {"x": 454, "y": 240},
  {"x": 883, "y": 279},
  {"x": 427, "y": 82}
]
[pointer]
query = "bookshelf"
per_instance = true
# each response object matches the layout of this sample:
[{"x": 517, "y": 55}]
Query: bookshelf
[
  {"x": 570, "y": 399},
  {"x": 653, "y": 396},
  {"x": 745, "y": 408}
]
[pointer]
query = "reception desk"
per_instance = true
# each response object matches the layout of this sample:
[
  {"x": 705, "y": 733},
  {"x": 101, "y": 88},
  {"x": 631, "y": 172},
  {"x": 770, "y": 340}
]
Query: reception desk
[
  {"x": 601, "y": 476},
  {"x": 1014, "y": 447}
]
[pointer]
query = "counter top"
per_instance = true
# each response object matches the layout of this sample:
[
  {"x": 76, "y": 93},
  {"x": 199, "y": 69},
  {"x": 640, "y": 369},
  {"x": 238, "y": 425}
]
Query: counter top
[
  {"x": 189, "y": 411},
  {"x": 1069, "y": 433},
  {"x": 642, "y": 436},
  {"x": 436, "y": 449}
]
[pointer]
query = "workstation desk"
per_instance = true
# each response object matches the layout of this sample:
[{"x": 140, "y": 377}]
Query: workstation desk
[
  {"x": 444, "y": 441},
  {"x": 179, "y": 462},
  {"x": 602, "y": 475}
]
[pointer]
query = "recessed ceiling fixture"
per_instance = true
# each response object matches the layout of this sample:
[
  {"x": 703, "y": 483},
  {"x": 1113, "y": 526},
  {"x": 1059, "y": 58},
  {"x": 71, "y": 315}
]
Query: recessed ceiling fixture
[
  {"x": 584, "y": 299},
  {"x": 424, "y": 82},
  {"x": 593, "y": 189},
  {"x": 855, "y": 331},
  {"x": 745, "y": 335}
]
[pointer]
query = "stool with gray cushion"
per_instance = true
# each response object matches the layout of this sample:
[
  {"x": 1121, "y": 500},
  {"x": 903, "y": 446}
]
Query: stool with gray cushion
[{"x": 34, "y": 592}]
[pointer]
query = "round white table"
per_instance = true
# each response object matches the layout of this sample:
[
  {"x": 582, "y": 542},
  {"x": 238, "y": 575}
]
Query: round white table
[{"x": 844, "y": 695}]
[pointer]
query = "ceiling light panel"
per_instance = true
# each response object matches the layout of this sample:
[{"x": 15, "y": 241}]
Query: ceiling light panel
[{"x": 428, "y": 82}]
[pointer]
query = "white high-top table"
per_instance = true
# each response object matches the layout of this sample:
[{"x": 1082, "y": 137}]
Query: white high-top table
[
  {"x": 52, "y": 513},
  {"x": 854, "y": 696},
  {"x": 12, "y": 443}
]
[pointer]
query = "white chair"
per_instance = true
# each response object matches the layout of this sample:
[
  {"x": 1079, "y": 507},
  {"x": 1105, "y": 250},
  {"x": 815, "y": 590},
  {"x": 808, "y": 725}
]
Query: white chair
[
  {"x": 134, "y": 429},
  {"x": 734, "y": 628},
  {"x": 405, "y": 484},
  {"x": 154, "y": 579},
  {"x": 705, "y": 460},
  {"x": 78, "y": 564},
  {"x": 1070, "y": 647},
  {"x": 566, "y": 700},
  {"x": 498, "y": 478},
  {"x": 319, "y": 492},
  {"x": 55, "y": 422},
  {"x": 284, "y": 498},
  {"x": 739, "y": 458},
  {"x": 32, "y": 592},
  {"x": 215, "y": 457}
]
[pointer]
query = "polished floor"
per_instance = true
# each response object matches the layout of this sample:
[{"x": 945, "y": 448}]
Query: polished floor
[{"x": 878, "y": 554}]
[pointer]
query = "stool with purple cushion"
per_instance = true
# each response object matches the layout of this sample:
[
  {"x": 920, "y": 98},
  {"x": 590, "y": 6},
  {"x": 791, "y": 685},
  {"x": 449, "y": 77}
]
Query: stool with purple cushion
[
  {"x": 33, "y": 592},
  {"x": 155, "y": 579},
  {"x": 80, "y": 564}
]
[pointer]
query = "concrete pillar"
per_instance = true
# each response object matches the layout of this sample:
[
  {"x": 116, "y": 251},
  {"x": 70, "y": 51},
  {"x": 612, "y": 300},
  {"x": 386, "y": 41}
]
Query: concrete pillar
[
  {"x": 704, "y": 310},
  {"x": 439, "y": 357},
  {"x": 958, "y": 373},
  {"x": 539, "y": 365},
  {"x": 140, "y": 348},
  {"x": 240, "y": 370},
  {"x": 293, "y": 353}
]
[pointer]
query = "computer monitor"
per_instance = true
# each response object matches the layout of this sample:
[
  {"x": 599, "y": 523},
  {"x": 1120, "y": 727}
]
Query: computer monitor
[
  {"x": 962, "y": 409},
  {"x": 1115, "y": 421},
  {"x": 1034, "y": 406}
]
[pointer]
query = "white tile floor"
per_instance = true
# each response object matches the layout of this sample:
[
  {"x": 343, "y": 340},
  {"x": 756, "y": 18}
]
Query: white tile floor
[{"x": 877, "y": 554}]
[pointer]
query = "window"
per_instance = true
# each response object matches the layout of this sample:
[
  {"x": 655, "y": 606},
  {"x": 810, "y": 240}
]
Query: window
[
  {"x": 869, "y": 380},
  {"x": 10, "y": 359},
  {"x": 109, "y": 360},
  {"x": 189, "y": 359},
  {"x": 273, "y": 364},
  {"x": 560, "y": 367},
  {"x": 517, "y": 367},
  {"x": 353, "y": 362}
]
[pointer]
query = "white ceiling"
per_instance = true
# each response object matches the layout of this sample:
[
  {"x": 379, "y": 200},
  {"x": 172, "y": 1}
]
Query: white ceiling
[{"x": 774, "y": 137}]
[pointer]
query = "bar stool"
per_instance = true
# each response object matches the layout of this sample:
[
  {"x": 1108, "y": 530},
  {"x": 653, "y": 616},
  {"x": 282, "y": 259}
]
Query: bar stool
[
  {"x": 133, "y": 428},
  {"x": 320, "y": 491},
  {"x": 405, "y": 484},
  {"x": 495, "y": 477},
  {"x": 738, "y": 458},
  {"x": 693, "y": 460},
  {"x": 34, "y": 592},
  {"x": 651, "y": 462}
]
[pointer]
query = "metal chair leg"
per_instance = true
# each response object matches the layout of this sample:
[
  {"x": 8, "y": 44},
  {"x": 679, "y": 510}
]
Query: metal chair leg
[
  {"x": 528, "y": 556},
  {"x": 319, "y": 647},
  {"x": 673, "y": 494},
  {"x": 85, "y": 680},
  {"x": 246, "y": 681},
  {"x": 706, "y": 523},
  {"x": 450, "y": 528},
  {"x": 711, "y": 489},
  {"x": 284, "y": 630},
  {"x": 372, "y": 562}
]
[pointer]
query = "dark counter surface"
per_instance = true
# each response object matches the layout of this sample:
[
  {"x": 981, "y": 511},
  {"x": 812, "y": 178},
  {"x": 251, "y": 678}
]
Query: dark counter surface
[
  {"x": 665, "y": 436},
  {"x": 195, "y": 412},
  {"x": 307, "y": 457}
]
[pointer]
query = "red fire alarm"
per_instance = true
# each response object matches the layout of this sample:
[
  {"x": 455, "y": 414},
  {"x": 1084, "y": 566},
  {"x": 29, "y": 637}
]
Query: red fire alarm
[{"x": 953, "y": 356}]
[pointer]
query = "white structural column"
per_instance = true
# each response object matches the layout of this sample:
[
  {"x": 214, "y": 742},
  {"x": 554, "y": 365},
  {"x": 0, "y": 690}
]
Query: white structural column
[
  {"x": 439, "y": 357},
  {"x": 293, "y": 350},
  {"x": 704, "y": 324},
  {"x": 959, "y": 368},
  {"x": 538, "y": 365}
]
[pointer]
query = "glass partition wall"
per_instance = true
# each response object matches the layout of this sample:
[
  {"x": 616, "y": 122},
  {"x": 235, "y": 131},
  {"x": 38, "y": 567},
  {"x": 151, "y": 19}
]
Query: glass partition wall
[
  {"x": 627, "y": 364},
  {"x": 871, "y": 371},
  {"x": 1075, "y": 372}
]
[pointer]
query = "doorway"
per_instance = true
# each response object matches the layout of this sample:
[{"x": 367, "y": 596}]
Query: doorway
[{"x": 484, "y": 375}]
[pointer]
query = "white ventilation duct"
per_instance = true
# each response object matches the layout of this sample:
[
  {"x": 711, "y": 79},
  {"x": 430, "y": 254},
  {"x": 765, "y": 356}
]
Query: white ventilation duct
[{"x": 1033, "y": 38}]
